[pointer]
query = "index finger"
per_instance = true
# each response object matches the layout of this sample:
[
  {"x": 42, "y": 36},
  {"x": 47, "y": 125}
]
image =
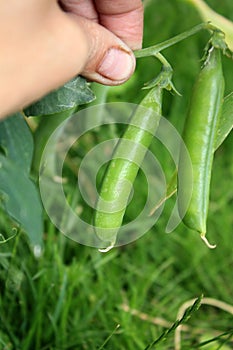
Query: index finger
[{"x": 124, "y": 18}]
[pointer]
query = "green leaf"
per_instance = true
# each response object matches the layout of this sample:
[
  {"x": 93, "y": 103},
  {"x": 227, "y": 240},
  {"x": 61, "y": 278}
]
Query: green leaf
[
  {"x": 20, "y": 199},
  {"x": 46, "y": 127},
  {"x": 72, "y": 94},
  {"x": 16, "y": 141},
  {"x": 18, "y": 194},
  {"x": 226, "y": 121}
]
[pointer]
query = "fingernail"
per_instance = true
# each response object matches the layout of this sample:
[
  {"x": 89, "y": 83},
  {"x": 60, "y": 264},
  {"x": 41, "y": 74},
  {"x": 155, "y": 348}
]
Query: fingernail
[{"x": 117, "y": 64}]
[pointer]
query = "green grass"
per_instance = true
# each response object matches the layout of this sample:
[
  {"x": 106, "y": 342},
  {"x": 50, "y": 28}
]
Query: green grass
[{"x": 74, "y": 297}]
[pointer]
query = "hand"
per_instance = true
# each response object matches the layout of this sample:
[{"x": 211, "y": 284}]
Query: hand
[{"x": 46, "y": 43}]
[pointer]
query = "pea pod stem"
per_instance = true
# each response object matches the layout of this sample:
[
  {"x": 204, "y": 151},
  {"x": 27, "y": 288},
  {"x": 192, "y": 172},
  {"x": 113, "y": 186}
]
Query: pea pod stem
[
  {"x": 155, "y": 49},
  {"x": 163, "y": 60},
  {"x": 164, "y": 79}
]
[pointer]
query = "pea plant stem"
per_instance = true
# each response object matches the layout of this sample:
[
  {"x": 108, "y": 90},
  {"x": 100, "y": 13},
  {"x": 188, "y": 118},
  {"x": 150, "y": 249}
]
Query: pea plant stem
[
  {"x": 163, "y": 60},
  {"x": 155, "y": 49}
]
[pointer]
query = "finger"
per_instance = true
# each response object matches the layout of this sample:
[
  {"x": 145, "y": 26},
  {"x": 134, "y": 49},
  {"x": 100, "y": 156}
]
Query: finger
[
  {"x": 38, "y": 54},
  {"x": 119, "y": 60},
  {"x": 123, "y": 18},
  {"x": 110, "y": 61},
  {"x": 83, "y": 8},
  {"x": 57, "y": 48}
]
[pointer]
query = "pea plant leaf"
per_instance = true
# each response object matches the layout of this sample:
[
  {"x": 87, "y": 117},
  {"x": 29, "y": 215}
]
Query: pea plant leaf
[
  {"x": 20, "y": 199},
  {"x": 44, "y": 130},
  {"x": 226, "y": 121},
  {"x": 18, "y": 195},
  {"x": 75, "y": 92},
  {"x": 16, "y": 141}
]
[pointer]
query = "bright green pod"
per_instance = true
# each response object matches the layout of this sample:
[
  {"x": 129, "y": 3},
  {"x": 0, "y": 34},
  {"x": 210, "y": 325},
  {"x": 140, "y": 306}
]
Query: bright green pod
[
  {"x": 123, "y": 168},
  {"x": 199, "y": 136}
]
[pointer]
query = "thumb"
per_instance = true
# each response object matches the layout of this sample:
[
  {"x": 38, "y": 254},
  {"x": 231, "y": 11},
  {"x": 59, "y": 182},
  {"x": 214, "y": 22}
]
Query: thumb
[
  {"x": 109, "y": 61},
  {"x": 76, "y": 45},
  {"x": 81, "y": 46}
]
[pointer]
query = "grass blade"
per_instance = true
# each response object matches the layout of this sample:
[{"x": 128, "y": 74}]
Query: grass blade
[{"x": 188, "y": 313}]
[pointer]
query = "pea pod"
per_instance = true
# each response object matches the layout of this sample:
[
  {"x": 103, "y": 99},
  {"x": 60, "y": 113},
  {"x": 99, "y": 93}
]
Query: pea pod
[
  {"x": 225, "y": 126},
  {"x": 199, "y": 136},
  {"x": 124, "y": 166}
]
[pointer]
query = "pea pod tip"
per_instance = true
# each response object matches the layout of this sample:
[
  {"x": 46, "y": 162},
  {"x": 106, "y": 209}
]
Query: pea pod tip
[
  {"x": 211, "y": 246},
  {"x": 105, "y": 250}
]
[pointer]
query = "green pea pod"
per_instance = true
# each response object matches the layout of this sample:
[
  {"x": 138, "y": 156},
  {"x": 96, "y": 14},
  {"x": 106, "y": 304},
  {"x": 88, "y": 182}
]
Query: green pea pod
[
  {"x": 225, "y": 126},
  {"x": 199, "y": 136},
  {"x": 124, "y": 166}
]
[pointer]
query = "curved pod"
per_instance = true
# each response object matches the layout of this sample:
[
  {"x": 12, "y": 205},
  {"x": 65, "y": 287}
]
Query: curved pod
[
  {"x": 199, "y": 136},
  {"x": 123, "y": 168}
]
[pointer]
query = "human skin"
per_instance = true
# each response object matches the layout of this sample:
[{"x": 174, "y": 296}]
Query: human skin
[{"x": 46, "y": 43}]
